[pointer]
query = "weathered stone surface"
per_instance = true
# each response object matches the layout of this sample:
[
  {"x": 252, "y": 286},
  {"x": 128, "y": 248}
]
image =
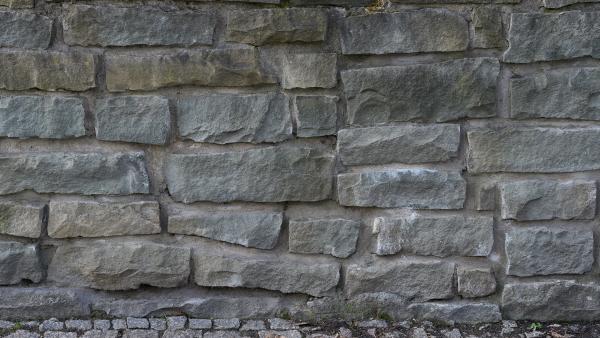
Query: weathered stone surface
[
  {"x": 276, "y": 25},
  {"x": 426, "y": 30},
  {"x": 487, "y": 28},
  {"x": 515, "y": 149},
  {"x": 269, "y": 272},
  {"x": 102, "y": 217},
  {"x": 551, "y": 300},
  {"x": 21, "y": 218},
  {"x": 315, "y": 115},
  {"x": 544, "y": 199},
  {"x": 414, "y": 188},
  {"x": 17, "y": 4},
  {"x": 460, "y": 313},
  {"x": 80, "y": 173},
  {"x": 272, "y": 174},
  {"x": 17, "y": 303},
  {"x": 41, "y": 116},
  {"x": 24, "y": 30},
  {"x": 475, "y": 282},
  {"x": 572, "y": 93},
  {"x": 415, "y": 279},
  {"x": 553, "y": 36},
  {"x": 485, "y": 197},
  {"x": 109, "y": 25},
  {"x": 405, "y": 144},
  {"x": 215, "y": 67},
  {"x": 119, "y": 265},
  {"x": 563, "y": 3},
  {"x": 19, "y": 261},
  {"x": 309, "y": 70},
  {"x": 47, "y": 70},
  {"x": 461, "y": 88},
  {"x": 445, "y": 236},
  {"x": 336, "y": 237},
  {"x": 255, "y": 229},
  {"x": 345, "y": 3},
  {"x": 138, "y": 119},
  {"x": 544, "y": 251},
  {"x": 230, "y": 118}
]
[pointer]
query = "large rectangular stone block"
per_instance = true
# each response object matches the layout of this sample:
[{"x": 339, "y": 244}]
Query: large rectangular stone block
[
  {"x": 119, "y": 265},
  {"x": 434, "y": 92},
  {"x": 457, "y": 312},
  {"x": 412, "y": 188},
  {"x": 336, "y": 237},
  {"x": 315, "y": 115},
  {"x": 24, "y": 30},
  {"x": 109, "y": 25},
  {"x": 19, "y": 262},
  {"x": 231, "y": 118},
  {"x": 563, "y": 3},
  {"x": 272, "y": 174},
  {"x": 535, "y": 149},
  {"x": 404, "y": 144},
  {"x": 309, "y": 70},
  {"x": 17, "y": 4},
  {"x": 425, "y": 30},
  {"x": 17, "y": 303},
  {"x": 233, "y": 67},
  {"x": 47, "y": 70},
  {"x": 74, "y": 173},
  {"x": 21, "y": 218}
]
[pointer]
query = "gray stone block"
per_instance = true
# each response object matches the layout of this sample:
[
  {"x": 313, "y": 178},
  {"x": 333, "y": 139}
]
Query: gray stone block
[
  {"x": 336, "y": 237},
  {"x": 21, "y": 218},
  {"x": 460, "y": 313},
  {"x": 475, "y": 282},
  {"x": 488, "y": 31},
  {"x": 563, "y": 3},
  {"x": 17, "y": 303},
  {"x": 309, "y": 70},
  {"x": 24, "y": 30},
  {"x": 315, "y": 115},
  {"x": 18, "y": 262}
]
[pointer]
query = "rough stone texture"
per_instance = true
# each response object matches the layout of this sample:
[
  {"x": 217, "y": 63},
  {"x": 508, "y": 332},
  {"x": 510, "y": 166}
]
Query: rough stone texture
[
  {"x": 336, "y": 237},
  {"x": 486, "y": 197},
  {"x": 544, "y": 199},
  {"x": 137, "y": 323},
  {"x": 47, "y": 70},
  {"x": 563, "y": 3},
  {"x": 487, "y": 28},
  {"x": 19, "y": 261},
  {"x": 292, "y": 174},
  {"x": 21, "y": 218},
  {"x": 413, "y": 279},
  {"x": 81, "y": 173},
  {"x": 461, "y": 313},
  {"x": 216, "y": 67},
  {"x": 426, "y": 30},
  {"x": 552, "y": 36},
  {"x": 225, "y": 324},
  {"x": 253, "y": 229},
  {"x": 17, "y": 303},
  {"x": 264, "y": 26},
  {"x": 461, "y": 88},
  {"x": 119, "y": 265},
  {"x": 231, "y": 118},
  {"x": 559, "y": 93},
  {"x": 414, "y": 188},
  {"x": 272, "y": 273},
  {"x": 109, "y": 25},
  {"x": 200, "y": 323},
  {"x": 41, "y": 116},
  {"x": 405, "y": 144},
  {"x": 309, "y": 70},
  {"x": 445, "y": 236},
  {"x": 24, "y": 30},
  {"x": 17, "y": 4},
  {"x": 102, "y": 217},
  {"x": 475, "y": 282},
  {"x": 315, "y": 115},
  {"x": 544, "y": 251},
  {"x": 345, "y": 3}
]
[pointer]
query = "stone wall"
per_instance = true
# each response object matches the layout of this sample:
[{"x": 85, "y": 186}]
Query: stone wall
[{"x": 434, "y": 159}]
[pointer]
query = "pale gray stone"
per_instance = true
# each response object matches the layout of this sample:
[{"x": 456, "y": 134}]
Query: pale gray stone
[
  {"x": 445, "y": 236},
  {"x": 69, "y": 172},
  {"x": 17, "y": 303},
  {"x": 265, "y": 272},
  {"x": 176, "y": 322},
  {"x": 309, "y": 70},
  {"x": 47, "y": 70},
  {"x": 119, "y": 324},
  {"x": 461, "y": 88},
  {"x": 19, "y": 261},
  {"x": 100, "y": 334},
  {"x": 315, "y": 115},
  {"x": 488, "y": 31},
  {"x": 78, "y": 324},
  {"x": 544, "y": 199},
  {"x": 21, "y": 218},
  {"x": 24, "y": 30},
  {"x": 138, "y": 119},
  {"x": 286, "y": 334},
  {"x": 405, "y": 144},
  {"x": 200, "y": 323},
  {"x": 276, "y": 25},
  {"x": 563, "y": 3},
  {"x": 232, "y": 67},
  {"x": 226, "y": 324},
  {"x": 336, "y": 237},
  {"x": 23, "y": 334},
  {"x": 102, "y": 324},
  {"x": 553, "y": 36},
  {"x": 140, "y": 334},
  {"x": 5, "y": 324},
  {"x": 536, "y": 149},
  {"x": 543, "y": 251},
  {"x": 460, "y": 313},
  {"x": 158, "y": 324},
  {"x": 255, "y": 229},
  {"x": 475, "y": 281},
  {"x": 485, "y": 197},
  {"x": 293, "y": 173},
  {"x": 52, "y": 324},
  {"x": 182, "y": 334},
  {"x": 109, "y": 25},
  {"x": 223, "y": 334},
  {"x": 89, "y": 217},
  {"x": 137, "y": 323},
  {"x": 425, "y": 30},
  {"x": 231, "y": 118},
  {"x": 414, "y": 188},
  {"x": 126, "y": 265},
  {"x": 253, "y": 325},
  {"x": 345, "y": 3},
  {"x": 377, "y": 323},
  {"x": 52, "y": 117},
  {"x": 59, "y": 334},
  {"x": 414, "y": 279},
  {"x": 572, "y": 93}
]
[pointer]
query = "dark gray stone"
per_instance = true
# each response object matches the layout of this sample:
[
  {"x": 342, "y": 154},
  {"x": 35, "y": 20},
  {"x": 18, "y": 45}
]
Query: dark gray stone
[
  {"x": 315, "y": 115},
  {"x": 460, "y": 313},
  {"x": 17, "y": 303},
  {"x": 344, "y": 3},
  {"x": 21, "y": 218},
  {"x": 485, "y": 197},
  {"x": 563, "y": 3},
  {"x": 309, "y": 70},
  {"x": 17, "y": 4},
  {"x": 24, "y": 30},
  {"x": 336, "y": 237},
  {"x": 475, "y": 281},
  {"x": 18, "y": 262},
  {"x": 487, "y": 28}
]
